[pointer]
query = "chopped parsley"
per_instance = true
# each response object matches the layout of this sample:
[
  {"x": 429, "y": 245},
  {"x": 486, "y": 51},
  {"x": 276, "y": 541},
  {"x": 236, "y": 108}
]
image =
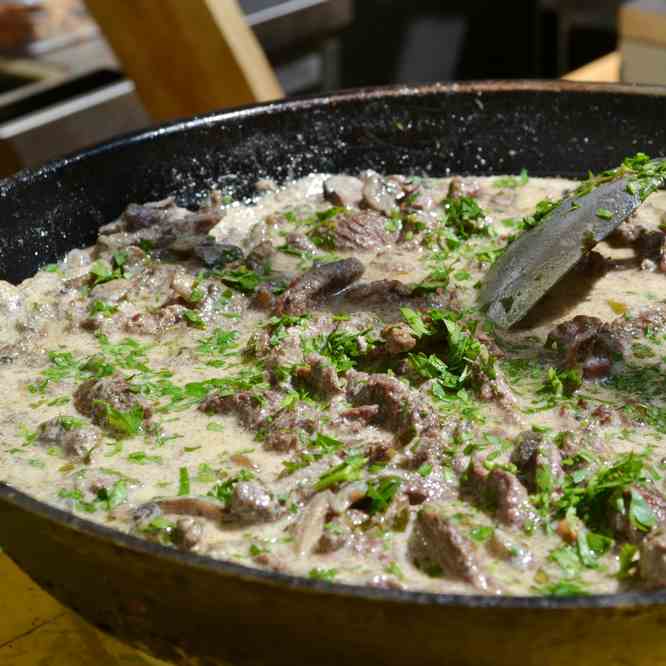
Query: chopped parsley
[
  {"x": 125, "y": 423},
  {"x": 349, "y": 470},
  {"x": 512, "y": 181},
  {"x": 183, "y": 482},
  {"x": 381, "y": 493},
  {"x": 322, "y": 574}
]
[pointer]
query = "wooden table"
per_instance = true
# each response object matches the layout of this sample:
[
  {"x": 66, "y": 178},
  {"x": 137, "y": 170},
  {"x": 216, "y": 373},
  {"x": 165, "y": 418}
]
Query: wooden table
[{"x": 35, "y": 630}]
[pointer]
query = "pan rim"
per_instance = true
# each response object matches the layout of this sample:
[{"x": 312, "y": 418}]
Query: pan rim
[
  {"x": 305, "y": 102},
  {"x": 62, "y": 518}
]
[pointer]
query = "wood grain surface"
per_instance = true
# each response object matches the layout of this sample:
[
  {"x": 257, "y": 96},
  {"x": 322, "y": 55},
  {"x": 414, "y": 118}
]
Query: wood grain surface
[{"x": 35, "y": 630}]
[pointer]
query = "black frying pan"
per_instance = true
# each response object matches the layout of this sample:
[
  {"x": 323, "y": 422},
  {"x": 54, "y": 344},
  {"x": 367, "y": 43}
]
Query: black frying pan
[{"x": 180, "y": 605}]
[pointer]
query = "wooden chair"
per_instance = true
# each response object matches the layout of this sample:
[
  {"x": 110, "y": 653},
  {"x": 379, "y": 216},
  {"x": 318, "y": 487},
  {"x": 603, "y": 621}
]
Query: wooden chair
[{"x": 187, "y": 56}]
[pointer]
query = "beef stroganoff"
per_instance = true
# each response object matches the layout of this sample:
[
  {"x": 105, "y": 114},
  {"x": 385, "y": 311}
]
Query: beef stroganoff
[{"x": 305, "y": 384}]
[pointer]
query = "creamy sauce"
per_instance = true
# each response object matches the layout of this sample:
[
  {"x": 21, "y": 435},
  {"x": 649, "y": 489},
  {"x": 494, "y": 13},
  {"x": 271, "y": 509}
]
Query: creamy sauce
[{"x": 159, "y": 445}]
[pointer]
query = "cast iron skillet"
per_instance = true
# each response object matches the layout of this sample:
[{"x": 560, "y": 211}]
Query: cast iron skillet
[{"x": 195, "y": 610}]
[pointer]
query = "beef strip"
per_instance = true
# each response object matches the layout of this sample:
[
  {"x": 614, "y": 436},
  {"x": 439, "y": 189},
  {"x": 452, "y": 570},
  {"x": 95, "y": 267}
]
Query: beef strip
[
  {"x": 437, "y": 540},
  {"x": 458, "y": 188},
  {"x": 499, "y": 492},
  {"x": 399, "y": 338},
  {"x": 217, "y": 255},
  {"x": 535, "y": 458},
  {"x": 401, "y": 410},
  {"x": 319, "y": 281},
  {"x": 320, "y": 376},
  {"x": 343, "y": 190},
  {"x": 381, "y": 194},
  {"x": 93, "y": 396},
  {"x": 155, "y": 323},
  {"x": 187, "y": 533},
  {"x": 291, "y": 428},
  {"x": 587, "y": 341},
  {"x": 626, "y": 234},
  {"x": 199, "y": 507},
  {"x": 650, "y": 249},
  {"x": 652, "y": 563},
  {"x": 619, "y": 512},
  {"x": 142, "y": 216},
  {"x": 379, "y": 292},
  {"x": 309, "y": 528},
  {"x": 257, "y": 259},
  {"x": 251, "y": 503},
  {"x": 284, "y": 428},
  {"x": 159, "y": 227},
  {"x": 76, "y": 441},
  {"x": 335, "y": 536},
  {"x": 301, "y": 242},
  {"x": 250, "y": 409},
  {"x": 362, "y": 230}
]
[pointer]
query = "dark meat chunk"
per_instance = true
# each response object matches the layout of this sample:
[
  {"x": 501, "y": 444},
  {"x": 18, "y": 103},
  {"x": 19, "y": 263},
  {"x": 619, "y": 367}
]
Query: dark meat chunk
[
  {"x": 319, "y": 375},
  {"x": 155, "y": 323},
  {"x": 142, "y": 216},
  {"x": 317, "y": 282},
  {"x": 343, "y": 190},
  {"x": 592, "y": 265},
  {"x": 258, "y": 258},
  {"x": 458, "y": 188},
  {"x": 263, "y": 299},
  {"x": 217, "y": 255},
  {"x": 498, "y": 492},
  {"x": 404, "y": 412},
  {"x": 438, "y": 541},
  {"x": 538, "y": 462},
  {"x": 381, "y": 194},
  {"x": 76, "y": 441},
  {"x": 309, "y": 527},
  {"x": 492, "y": 386},
  {"x": 250, "y": 409},
  {"x": 652, "y": 563},
  {"x": 365, "y": 413},
  {"x": 625, "y": 235},
  {"x": 399, "y": 338},
  {"x": 587, "y": 341},
  {"x": 379, "y": 292},
  {"x": 300, "y": 242},
  {"x": 379, "y": 451},
  {"x": 651, "y": 250},
  {"x": 161, "y": 229},
  {"x": 250, "y": 504},
  {"x": 289, "y": 428},
  {"x": 336, "y": 535},
  {"x": 362, "y": 230},
  {"x": 199, "y": 507},
  {"x": 427, "y": 450},
  {"x": 620, "y": 512},
  {"x": 187, "y": 533},
  {"x": 95, "y": 396}
]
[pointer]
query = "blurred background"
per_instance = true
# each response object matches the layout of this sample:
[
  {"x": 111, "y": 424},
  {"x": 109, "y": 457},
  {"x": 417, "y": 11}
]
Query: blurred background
[{"x": 75, "y": 72}]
